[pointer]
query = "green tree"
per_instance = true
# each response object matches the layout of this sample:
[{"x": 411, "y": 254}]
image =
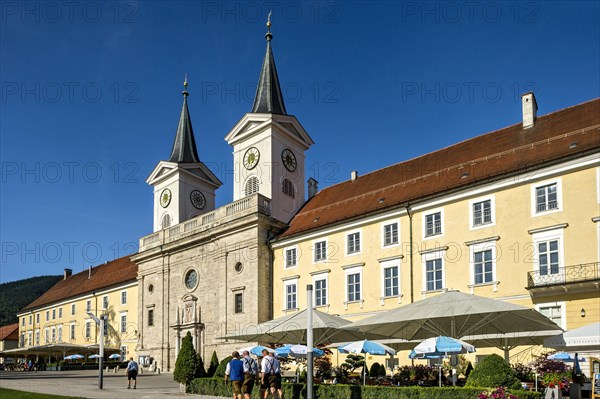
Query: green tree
[
  {"x": 374, "y": 372},
  {"x": 382, "y": 370},
  {"x": 189, "y": 364},
  {"x": 353, "y": 362},
  {"x": 220, "y": 372},
  {"x": 493, "y": 372},
  {"x": 214, "y": 363}
]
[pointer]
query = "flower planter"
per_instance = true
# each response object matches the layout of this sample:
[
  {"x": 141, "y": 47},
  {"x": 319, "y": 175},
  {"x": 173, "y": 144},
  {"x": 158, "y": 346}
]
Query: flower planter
[{"x": 553, "y": 393}]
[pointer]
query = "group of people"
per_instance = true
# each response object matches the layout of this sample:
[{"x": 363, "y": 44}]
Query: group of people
[{"x": 243, "y": 373}]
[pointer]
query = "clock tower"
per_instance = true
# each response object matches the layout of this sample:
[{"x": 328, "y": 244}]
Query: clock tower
[
  {"x": 183, "y": 186},
  {"x": 269, "y": 145}
]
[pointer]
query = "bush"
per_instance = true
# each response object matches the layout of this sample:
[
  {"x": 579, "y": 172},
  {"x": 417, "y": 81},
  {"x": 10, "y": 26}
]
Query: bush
[
  {"x": 382, "y": 370},
  {"x": 523, "y": 373},
  {"x": 220, "y": 371},
  {"x": 493, "y": 372},
  {"x": 214, "y": 363},
  {"x": 217, "y": 387},
  {"x": 374, "y": 372},
  {"x": 189, "y": 364}
]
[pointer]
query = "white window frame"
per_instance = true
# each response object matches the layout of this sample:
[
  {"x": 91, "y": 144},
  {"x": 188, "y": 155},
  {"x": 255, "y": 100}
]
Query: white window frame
[
  {"x": 314, "y": 245},
  {"x": 492, "y": 199},
  {"x": 285, "y": 258},
  {"x": 60, "y": 312},
  {"x": 88, "y": 305},
  {"x": 319, "y": 277},
  {"x": 105, "y": 302},
  {"x": 387, "y": 264},
  {"x": 432, "y": 255},
  {"x": 37, "y": 337},
  {"x": 563, "y": 311},
  {"x": 124, "y": 295},
  {"x": 481, "y": 247},
  {"x": 123, "y": 351},
  {"x": 47, "y": 335},
  {"x": 72, "y": 332},
  {"x": 88, "y": 329},
  {"x": 347, "y": 236},
  {"x": 47, "y": 317},
  {"x": 53, "y": 332},
  {"x": 286, "y": 284},
  {"x": 73, "y": 308},
  {"x": 559, "y": 199},
  {"x": 37, "y": 318},
  {"x": 348, "y": 272},
  {"x": 53, "y": 314},
  {"x": 546, "y": 236},
  {"x": 424, "y": 223},
  {"x": 123, "y": 326},
  {"x": 29, "y": 338},
  {"x": 59, "y": 334},
  {"x": 30, "y": 319},
  {"x": 383, "y": 226}
]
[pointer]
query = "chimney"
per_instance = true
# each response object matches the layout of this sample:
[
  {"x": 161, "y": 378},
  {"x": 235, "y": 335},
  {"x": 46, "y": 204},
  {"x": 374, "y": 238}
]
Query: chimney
[
  {"x": 90, "y": 272},
  {"x": 313, "y": 187},
  {"x": 353, "y": 175},
  {"x": 67, "y": 273},
  {"x": 529, "y": 109}
]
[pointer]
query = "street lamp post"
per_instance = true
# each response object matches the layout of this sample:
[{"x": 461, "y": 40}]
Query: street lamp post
[{"x": 100, "y": 321}]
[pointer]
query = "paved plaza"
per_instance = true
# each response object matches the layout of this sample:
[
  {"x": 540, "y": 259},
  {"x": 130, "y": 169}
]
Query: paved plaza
[{"x": 85, "y": 384}]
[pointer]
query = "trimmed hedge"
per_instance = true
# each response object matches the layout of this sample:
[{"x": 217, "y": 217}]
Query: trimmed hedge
[{"x": 217, "y": 387}]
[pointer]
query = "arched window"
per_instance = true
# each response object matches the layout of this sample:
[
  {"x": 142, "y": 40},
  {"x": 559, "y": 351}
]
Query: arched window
[
  {"x": 288, "y": 188},
  {"x": 251, "y": 185},
  {"x": 166, "y": 221}
]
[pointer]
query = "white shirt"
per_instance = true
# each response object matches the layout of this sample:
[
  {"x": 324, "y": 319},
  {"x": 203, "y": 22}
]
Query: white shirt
[{"x": 268, "y": 364}]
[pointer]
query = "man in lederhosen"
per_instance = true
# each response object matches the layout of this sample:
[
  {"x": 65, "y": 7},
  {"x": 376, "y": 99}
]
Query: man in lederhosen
[
  {"x": 268, "y": 377},
  {"x": 250, "y": 374}
]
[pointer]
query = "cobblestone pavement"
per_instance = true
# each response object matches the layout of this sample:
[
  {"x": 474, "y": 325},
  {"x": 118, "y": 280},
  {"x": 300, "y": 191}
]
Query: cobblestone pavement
[{"x": 85, "y": 384}]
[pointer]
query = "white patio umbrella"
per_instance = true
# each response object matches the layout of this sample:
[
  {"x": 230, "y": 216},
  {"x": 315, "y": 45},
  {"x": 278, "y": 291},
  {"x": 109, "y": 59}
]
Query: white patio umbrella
[
  {"x": 586, "y": 338},
  {"x": 74, "y": 357},
  {"x": 292, "y": 328},
  {"x": 95, "y": 356},
  {"x": 454, "y": 314},
  {"x": 298, "y": 351},
  {"x": 114, "y": 356}
]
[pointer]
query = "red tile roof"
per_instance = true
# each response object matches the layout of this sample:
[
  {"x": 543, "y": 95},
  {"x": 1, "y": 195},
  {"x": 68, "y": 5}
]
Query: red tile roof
[
  {"x": 112, "y": 273},
  {"x": 476, "y": 160},
  {"x": 9, "y": 332}
]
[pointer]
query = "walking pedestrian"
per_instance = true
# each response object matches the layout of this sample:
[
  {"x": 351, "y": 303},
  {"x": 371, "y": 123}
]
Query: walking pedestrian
[
  {"x": 250, "y": 374},
  {"x": 235, "y": 373},
  {"x": 268, "y": 376}
]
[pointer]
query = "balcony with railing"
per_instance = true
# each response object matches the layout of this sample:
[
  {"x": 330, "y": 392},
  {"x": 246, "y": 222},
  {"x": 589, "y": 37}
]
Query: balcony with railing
[
  {"x": 247, "y": 205},
  {"x": 584, "y": 277}
]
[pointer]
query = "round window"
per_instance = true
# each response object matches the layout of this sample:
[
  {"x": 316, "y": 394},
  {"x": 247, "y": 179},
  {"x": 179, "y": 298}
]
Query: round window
[
  {"x": 191, "y": 279},
  {"x": 151, "y": 288},
  {"x": 239, "y": 267}
]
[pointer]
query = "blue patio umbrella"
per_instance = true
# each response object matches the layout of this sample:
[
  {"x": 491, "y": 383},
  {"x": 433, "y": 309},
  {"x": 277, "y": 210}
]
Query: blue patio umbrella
[
  {"x": 566, "y": 357},
  {"x": 114, "y": 356},
  {"x": 366, "y": 346},
  {"x": 439, "y": 347},
  {"x": 94, "y": 356},
  {"x": 298, "y": 351},
  {"x": 255, "y": 350},
  {"x": 74, "y": 357}
]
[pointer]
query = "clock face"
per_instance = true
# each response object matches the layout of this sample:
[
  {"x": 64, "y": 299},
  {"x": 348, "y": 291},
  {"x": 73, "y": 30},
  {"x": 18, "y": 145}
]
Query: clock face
[
  {"x": 191, "y": 278},
  {"x": 251, "y": 158},
  {"x": 289, "y": 159},
  {"x": 165, "y": 198},
  {"x": 198, "y": 199}
]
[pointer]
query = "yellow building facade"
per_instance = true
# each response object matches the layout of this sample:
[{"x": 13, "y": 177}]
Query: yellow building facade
[
  {"x": 528, "y": 234},
  {"x": 60, "y": 315}
]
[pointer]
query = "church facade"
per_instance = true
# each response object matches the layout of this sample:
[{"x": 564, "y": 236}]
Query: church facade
[{"x": 207, "y": 270}]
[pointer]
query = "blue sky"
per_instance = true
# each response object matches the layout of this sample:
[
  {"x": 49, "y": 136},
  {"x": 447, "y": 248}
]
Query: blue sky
[{"x": 91, "y": 96}]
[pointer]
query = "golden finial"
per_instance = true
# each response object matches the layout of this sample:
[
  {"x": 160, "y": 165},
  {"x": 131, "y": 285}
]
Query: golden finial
[
  {"x": 185, "y": 85},
  {"x": 269, "y": 35}
]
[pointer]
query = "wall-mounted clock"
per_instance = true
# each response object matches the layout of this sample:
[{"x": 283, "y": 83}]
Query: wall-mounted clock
[
  {"x": 251, "y": 158},
  {"x": 165, "y": 198},
  {"x": 198, "y": 199},
  {"x": 289, "y": 160}
]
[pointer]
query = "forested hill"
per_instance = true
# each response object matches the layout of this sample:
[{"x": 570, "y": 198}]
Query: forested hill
[{"x": 18, "y": 294}]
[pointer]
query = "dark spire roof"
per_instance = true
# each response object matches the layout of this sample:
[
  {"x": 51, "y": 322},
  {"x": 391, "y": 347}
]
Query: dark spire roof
[
  {"x": 268, "y": 93},
  {"x": 184, "y": 147}
]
